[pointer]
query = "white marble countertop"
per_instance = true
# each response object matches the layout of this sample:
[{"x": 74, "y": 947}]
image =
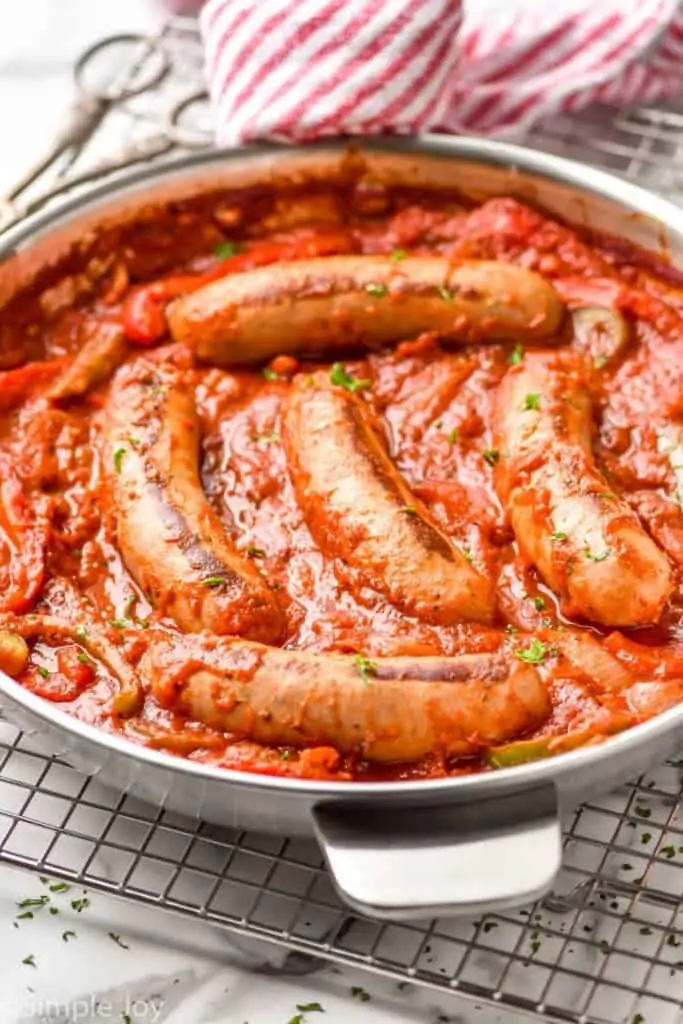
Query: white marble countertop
[{"x": 172, "y": 970}]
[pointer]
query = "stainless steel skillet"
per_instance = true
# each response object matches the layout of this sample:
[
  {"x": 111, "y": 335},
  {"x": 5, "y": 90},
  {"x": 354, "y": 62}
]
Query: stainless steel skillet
[{"x": 409, "y": 849}]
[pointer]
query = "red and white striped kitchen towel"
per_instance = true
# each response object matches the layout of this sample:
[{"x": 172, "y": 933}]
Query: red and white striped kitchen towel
[{"x": 302, "y": 69}]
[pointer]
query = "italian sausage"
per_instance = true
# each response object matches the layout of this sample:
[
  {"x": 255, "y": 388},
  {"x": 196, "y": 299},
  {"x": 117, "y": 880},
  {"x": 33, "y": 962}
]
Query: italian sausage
[
  {"x": 360, "y": 510},
  {"x": 323, "y": 304},
  {"x": 172, "y": 541},
  {"x": 586, "y": 542},
  {"x": 392, "y": 709}
]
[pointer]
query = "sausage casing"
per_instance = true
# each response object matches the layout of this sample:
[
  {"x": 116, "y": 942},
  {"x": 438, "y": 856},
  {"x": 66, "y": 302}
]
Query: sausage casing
[
  {"x": 584, "y": 539},
  {"x": 360, "y": 510},
  {"x": 330, "y": 303},
  {"x": 171, "y": 540},
  {"x": 391, "y": 709}
]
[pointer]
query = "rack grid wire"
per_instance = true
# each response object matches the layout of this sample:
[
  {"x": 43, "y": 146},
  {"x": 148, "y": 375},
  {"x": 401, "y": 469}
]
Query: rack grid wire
[{"x": 606, "y": 947}]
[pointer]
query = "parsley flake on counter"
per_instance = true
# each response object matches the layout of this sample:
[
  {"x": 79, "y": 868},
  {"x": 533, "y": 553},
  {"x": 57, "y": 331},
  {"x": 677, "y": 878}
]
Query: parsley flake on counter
[
  {"x": 119, "y": 456},
  {"x": 398, "y": 254},
  {"x": 517, "y": 355},
  {"x": 80, "y": 904},
  {"x": 488, "y": 926},
  {"x": 30, "y": 961},
  {"x": 491, "y": 456},
  {"x": 213, "y": 581},
  {"x": 366, "y": 667},
  {"x": 38, "y": 901},
  {"x": 668, "y": 851},
  {"x": 341, "y": 378},
  {"x": 59, "y": 887},
  {"x": 358, "y": 992},
  {"x": 118, "y": 940},
  {"x": 445, "y": 293},
  {"x": 532, "y": 402},
  {"x": 534, "y": 654},
  {"x": 309, "y": 1008},
  {"x": 378, "y": 290},
  {"x": 68, "y": 935},
  {"x": 226, "y": 249}
]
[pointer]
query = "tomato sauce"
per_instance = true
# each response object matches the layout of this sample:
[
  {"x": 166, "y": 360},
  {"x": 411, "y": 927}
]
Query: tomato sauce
[{"x": 59, "y": 555}]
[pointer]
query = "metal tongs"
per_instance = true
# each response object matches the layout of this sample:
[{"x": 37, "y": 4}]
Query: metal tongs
[{"x": 107, "y": 75}]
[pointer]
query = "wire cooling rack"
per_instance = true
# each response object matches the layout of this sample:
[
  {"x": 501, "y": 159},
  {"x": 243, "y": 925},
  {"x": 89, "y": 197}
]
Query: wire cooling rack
[{"x": 605, "y": 948}]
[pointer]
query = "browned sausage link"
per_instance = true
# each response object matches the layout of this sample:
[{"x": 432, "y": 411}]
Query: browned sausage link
[
  {"x": 360, "y": 510},
  {"x": 584, "y": 539},
  {"x": 392, "y": 709},
  {"x": 103, "y": 351},
  {"x": 171, "y": 540},
  {"x": 322, "y": 304}
]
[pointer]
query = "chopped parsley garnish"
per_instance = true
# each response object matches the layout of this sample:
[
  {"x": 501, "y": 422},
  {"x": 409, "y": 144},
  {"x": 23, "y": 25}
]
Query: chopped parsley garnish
[
  {"x": 599, "y": 556},
  {"x": 359, "y": 993},
  {"x": 226, "y": 249},
  {"x": 285, "y": 755},
  {"x": 118, "y": 458},
  {"x": 118, "y": 940},
  {"x": 539, "y": 603},
  {"x": 119, "y": 623},
  {"x": 558, "y": 535},
  {"x": 378, "y": 290},
  {"x": 517, "y": 355},
  {"x": 365, "y": 667},
  {"x": 452, "y": 437},
  {"x": 511, "y": 629},
  {"x": 42, "y": 671},
  {"x": 213, "y": 581},
  {"x": 38, "y": 901},
  {"x": 30, "y": 961},
  {"x": 546, "y": 622},
  {"x": 599, "y": 362},
  {"x": 270, "y": 437},
  {"x": 532, "y": 401},
  {"x": 398, "y": 255},
  {"x": 608, "y": 495},
  {"x": 534, "y": 654},
  {"x": 410, "y": 509},
  {"x": 255, "y": 552},
  {"x": 445, "y": 293},
  {"x": 467, "y": 552},
  {"x": 340, "y": 378},
  {"x": 269, "y": 374},
  {"x": 83, "y": 659},
  {"x": 309, "y": 1008},
  {"x": 491, "y": 456}
]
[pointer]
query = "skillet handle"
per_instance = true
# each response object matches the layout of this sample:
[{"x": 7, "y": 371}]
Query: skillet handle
[{"x": 401, "y": 862}]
